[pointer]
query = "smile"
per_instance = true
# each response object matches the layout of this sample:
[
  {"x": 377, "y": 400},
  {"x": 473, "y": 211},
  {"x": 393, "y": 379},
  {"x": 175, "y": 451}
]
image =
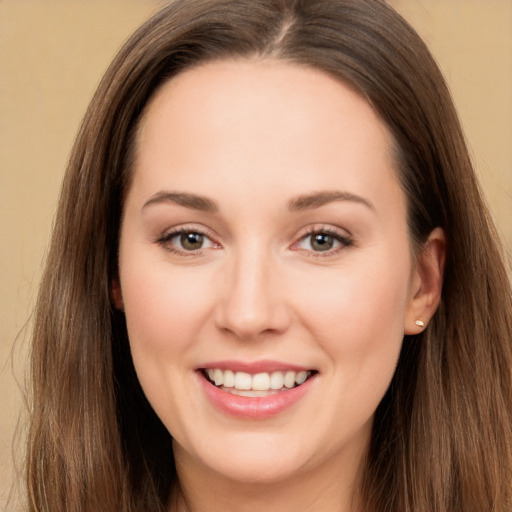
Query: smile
[
  {"x": 248, "y": 392},
  {"x": 255, "y": 385}
]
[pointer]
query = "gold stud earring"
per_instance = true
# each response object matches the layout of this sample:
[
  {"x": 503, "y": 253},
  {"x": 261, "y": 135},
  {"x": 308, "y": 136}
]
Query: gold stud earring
[{"x": 420, "y": 323}]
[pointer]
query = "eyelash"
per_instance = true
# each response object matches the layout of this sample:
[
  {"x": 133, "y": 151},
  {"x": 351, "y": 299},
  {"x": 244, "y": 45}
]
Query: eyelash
[
  {"x": 343, "y": 240},
  {"x": 165, "y": 240}
]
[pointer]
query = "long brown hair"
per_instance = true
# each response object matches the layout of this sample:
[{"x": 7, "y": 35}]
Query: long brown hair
[{"x": 442, "y": 439}]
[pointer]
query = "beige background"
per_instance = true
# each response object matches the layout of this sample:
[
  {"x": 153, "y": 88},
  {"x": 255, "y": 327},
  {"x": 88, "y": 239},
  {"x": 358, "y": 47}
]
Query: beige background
[{"x": 52, "y": 55}]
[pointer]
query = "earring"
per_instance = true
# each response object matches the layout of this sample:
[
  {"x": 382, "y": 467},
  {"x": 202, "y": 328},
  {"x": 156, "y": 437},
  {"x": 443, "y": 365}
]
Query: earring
[{"x": 420, "y": 323}]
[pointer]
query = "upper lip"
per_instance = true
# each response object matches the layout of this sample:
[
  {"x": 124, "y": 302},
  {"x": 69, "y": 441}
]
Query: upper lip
[{"x": 253, "y": 367}]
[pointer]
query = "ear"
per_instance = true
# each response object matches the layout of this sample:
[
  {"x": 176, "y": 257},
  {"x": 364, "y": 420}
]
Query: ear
[
  {"x": 116, "y": 295},
  {"x": 426, "y": 283}
]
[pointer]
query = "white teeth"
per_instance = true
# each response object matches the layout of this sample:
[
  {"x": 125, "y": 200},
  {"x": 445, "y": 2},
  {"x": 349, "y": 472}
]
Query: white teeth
[
  {"x": 218, "y": 377},
  {"x": 301, "y": 377},
  {"x": 243, "y": 380},
  {"x": 263, "y": 381},
  {"x": 250, "y": 393},
  {"x": 229, "y": 379},
  {"x": 276, "y": 380},
  {"x": 289, "y": 379}
]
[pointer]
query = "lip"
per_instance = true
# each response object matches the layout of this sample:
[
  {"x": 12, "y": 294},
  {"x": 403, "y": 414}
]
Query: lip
[
  {"x": 253, "y": 408},
  {"x": 253, "y": 367}
]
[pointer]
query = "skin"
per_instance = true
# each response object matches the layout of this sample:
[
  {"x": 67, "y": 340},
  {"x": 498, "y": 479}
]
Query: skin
[{"x": 252, "y": 136}]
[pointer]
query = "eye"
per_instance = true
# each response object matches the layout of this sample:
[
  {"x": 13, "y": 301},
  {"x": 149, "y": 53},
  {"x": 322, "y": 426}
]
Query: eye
[
  {"x": 190, "y": 241},
  {"x": 186, "y": 241},
  {"x": 323, "y": 241}
]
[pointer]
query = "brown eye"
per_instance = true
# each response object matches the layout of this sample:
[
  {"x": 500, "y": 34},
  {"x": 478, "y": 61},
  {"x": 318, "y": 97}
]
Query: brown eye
[
  {"x": 191, "y": 241},
  {"x": 186, "y": 242},
  {"x": 322, "y": 242}
]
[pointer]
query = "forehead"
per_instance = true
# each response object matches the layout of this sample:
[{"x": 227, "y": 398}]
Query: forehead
[
  {"x": 228, "y": 91},
  {"x": 247, "y": 120}
]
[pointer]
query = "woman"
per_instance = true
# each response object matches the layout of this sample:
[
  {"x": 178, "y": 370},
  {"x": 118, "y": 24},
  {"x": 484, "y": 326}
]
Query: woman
[{"x": 273, "y": 282}]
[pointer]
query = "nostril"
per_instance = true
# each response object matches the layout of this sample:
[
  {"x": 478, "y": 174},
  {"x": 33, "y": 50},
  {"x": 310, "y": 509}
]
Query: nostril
[
  {"x": 251, "y": 325},
  {"x": 250, "y": 303}
]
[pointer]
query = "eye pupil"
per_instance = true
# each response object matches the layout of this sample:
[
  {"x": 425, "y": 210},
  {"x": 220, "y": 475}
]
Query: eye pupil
[
  {"x": 322, "y": 242},
  {"x": 191, "y": 241}
]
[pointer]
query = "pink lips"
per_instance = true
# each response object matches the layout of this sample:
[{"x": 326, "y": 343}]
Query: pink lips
[
  {"x": 254, "y": 367},
  {"x": 254, "y": 408}
]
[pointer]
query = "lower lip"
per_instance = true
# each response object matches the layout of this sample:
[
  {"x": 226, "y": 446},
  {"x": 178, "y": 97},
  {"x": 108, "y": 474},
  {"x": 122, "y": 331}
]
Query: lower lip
[{"x": 254, "y": 408}]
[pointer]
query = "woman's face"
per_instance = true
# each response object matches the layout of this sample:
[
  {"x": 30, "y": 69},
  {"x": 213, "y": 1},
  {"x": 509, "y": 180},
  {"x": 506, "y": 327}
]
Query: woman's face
[{"x": 264, "y": 242}]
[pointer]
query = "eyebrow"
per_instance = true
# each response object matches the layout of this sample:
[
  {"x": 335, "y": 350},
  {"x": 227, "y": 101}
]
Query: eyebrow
[
  {"x": 318, "y": 199},
  {"x": 192, "y": 201},
  {"x": 297, "y": 204}
]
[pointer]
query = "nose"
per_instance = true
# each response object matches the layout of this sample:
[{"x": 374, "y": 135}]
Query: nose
[{"x": 252, "y": 299}]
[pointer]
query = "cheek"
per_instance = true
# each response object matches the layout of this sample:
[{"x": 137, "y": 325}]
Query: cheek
[
  {"x": 164, "y": 307},
  {"x": 358, "y": 314},
  {"x": 365, "y": 291}
]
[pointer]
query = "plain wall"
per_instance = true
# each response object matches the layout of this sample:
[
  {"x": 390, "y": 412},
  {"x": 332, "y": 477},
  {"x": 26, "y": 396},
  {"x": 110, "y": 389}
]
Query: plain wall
[{"x": 52, "y": 55}]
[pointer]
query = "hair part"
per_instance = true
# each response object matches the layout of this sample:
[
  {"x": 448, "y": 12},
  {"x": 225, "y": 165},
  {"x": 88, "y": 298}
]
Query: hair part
[{"x": 442, "y": 439}]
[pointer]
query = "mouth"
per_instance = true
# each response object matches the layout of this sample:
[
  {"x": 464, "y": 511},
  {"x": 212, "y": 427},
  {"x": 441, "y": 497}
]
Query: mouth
[{"x": 260, "y": 384}]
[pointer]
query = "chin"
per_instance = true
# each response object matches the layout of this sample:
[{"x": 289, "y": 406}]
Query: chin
[
  {"x": 264, "y": 470},
  {"x": 252, "y": 458}
]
